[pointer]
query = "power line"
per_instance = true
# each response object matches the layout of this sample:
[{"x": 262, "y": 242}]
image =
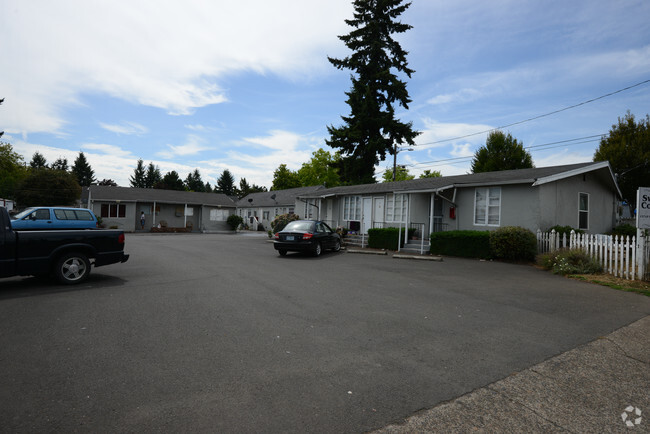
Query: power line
[
  {"x": 539, "y": 116},
  {"x": 533, "y": 148}
]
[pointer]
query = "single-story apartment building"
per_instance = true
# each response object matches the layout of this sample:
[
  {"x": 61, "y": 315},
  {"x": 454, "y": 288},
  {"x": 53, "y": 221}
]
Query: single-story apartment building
[
  {"x": 583, "y": 196},
  {"x": 122, "y": 207},
  {"x": 262, "y": 207}
]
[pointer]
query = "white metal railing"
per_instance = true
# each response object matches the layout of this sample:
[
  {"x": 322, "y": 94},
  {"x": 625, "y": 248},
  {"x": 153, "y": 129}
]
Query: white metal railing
[{"x": 620, "y": 256}]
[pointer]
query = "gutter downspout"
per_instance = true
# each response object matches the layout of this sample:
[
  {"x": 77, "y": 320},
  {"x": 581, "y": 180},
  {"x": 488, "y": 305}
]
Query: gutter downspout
[{"x": 153, "y": 219}]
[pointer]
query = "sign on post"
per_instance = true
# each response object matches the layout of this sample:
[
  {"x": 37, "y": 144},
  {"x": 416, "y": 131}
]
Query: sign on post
[{"x": 643, "y": 208}]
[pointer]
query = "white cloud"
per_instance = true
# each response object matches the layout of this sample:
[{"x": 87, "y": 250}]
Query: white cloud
[
  {"x": 438, "y": 134},
  {"x": 162, "y": 54},
  {"x": 111, "y": 150},
  {"x": 192, "y": 146},
  {"x": 128, "y": 128}
]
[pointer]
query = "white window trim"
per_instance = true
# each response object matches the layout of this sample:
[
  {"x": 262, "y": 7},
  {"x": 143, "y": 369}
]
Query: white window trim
[
  {"x": 354, "y": 208},
  {"x": 389, "y": 204},
  {"x": 487, "y": 207},
  {"x": 581, "y": 211}
]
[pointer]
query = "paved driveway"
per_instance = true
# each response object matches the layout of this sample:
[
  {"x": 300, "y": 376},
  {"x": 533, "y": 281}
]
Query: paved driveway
[{"x": 218, "y": 333}]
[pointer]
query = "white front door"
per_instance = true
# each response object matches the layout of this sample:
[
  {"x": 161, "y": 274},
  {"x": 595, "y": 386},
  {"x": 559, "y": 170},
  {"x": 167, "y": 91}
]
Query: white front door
[{"x": 367, "y": 215}]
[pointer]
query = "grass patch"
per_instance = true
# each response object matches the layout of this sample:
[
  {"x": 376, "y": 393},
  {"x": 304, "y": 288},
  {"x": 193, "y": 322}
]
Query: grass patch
[{"x": 638, "y": 286}]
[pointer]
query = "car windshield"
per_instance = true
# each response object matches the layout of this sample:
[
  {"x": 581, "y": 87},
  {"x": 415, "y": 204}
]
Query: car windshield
[
  {"x": 299, "y": 227},
  {"x": 23, "y": 213}
]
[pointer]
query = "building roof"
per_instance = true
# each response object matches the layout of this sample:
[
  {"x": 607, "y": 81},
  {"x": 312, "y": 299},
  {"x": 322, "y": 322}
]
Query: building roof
[
  {"x": 534, "y": 176},
  {"x": 277, "y": 197},
  {"x": 128, "y": 194}
]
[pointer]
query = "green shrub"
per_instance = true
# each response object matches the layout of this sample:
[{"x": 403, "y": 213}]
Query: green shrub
[
  {"x": 467, "y": 244},
  {"x": 625, "y": 230},
  {"x": 513, "y": 243},
  {"x": 282, "y": 220},
  {"x": 234, "y": 221},
  {"x": 386, "y": 238},
  {"x": 569, "y": 261}
]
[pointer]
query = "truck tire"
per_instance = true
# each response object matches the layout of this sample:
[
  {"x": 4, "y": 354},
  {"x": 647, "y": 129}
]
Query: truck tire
[{"x": 72, "y": 268}]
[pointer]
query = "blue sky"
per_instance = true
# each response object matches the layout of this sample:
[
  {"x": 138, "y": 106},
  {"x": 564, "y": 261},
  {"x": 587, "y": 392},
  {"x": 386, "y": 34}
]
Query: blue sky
[{"x": 246, "y": 85}]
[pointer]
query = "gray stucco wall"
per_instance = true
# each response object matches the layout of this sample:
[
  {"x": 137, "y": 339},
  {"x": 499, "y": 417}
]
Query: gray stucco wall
[
  {"x": 564, "y": 197},
  {"x": 520, "y": 206}
]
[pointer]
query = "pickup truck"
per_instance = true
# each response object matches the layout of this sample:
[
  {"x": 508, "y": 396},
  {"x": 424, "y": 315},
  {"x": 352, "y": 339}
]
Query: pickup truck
[{"x": 67, "y": 254}]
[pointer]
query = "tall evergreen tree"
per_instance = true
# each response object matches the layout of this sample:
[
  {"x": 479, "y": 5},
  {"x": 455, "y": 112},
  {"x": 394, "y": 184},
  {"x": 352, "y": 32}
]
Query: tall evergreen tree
[
  {"x": 82, "y": 171},
  {"x": 60, "y": 164},
  {"x": 138, "y": 179},
  {"x": 152, "y": 176},
  {"x": 501, "y": 152},
  {"x": 371, "y": 130},
  {"x": 171, "y": 181},
  {"x": 193, "y": 182},
  {"x": 226, "y": 183},
  {"x": 38, "y": 161}
]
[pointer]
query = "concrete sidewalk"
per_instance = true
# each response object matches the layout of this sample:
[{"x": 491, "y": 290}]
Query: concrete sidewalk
[{"x": 603, "y": 386}]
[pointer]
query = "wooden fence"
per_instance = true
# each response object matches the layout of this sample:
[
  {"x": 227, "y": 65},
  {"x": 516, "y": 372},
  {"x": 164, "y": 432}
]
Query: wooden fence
[{"x": 621, "y": 256}]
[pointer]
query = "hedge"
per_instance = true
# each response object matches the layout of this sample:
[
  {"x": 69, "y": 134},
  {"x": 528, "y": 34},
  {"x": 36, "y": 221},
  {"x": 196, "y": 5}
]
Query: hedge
[
  {"x": 513, "y": 243},
  {"x": 385, "y": 238},
  {"x": 466, "y": 244}
]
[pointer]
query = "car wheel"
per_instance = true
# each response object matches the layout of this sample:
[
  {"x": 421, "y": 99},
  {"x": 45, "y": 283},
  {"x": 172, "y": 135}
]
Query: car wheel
[
  {"x": 337, "y": 246},
  {"x": 72, "y": 268},
  {"x": 318, "y": 249},
  {"x": 282, "y": 252}
]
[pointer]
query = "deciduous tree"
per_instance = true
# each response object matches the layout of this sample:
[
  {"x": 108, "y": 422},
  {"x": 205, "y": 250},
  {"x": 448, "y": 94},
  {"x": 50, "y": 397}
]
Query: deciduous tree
[
  {"x": 321, "y": 170},
  {"x": 371, "y": 130},
  {"x": 501, "y": 152},
  {"x": 627, "y": 148},
  {"x": 48, "y": 187},
  {"x": 284, "y": 178},
  {"x": 12, "y": 171},
  {"x": 431, "y": 174},
  {"x": 402, "y": 174}
]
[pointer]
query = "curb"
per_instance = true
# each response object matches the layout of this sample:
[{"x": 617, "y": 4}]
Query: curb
[
  {"x": 419, "y": 257},
  {"x": 367, "y": 252}
]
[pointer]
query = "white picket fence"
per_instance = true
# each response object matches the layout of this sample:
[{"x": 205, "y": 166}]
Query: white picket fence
[{"x": 621, "y": 256}]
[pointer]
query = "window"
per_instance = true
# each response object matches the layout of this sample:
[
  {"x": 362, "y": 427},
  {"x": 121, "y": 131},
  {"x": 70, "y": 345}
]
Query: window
[
  {"x": 487, "y": 206},
  {"x": 265, "y": 215},
  {"x": 352, "y": 208},
  {"x": 396, "y": 208},
  {"x": 72, "y": 214},
  {"x": 583, "y": 211},
  {"x": 42, "y": 214},
  {"x": 310, "y": 208},
  {"x": 218, "y": 215},
  {"x": 113, "y": 210}
]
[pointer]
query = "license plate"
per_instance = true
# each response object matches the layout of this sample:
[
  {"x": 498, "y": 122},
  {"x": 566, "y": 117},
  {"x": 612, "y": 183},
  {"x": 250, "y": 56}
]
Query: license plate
[{"x": 289, "y": 238}]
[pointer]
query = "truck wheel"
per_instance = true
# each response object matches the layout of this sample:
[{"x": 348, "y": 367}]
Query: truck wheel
[{"x": 72, "y": 268}]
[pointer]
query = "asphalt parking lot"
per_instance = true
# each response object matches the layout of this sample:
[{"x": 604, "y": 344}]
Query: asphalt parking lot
[{"x": 217, "y": 333}]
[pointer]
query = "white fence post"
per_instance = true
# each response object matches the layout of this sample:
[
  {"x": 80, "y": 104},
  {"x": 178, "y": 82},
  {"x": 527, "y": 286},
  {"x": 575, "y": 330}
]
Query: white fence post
[{"x": 621, "y": 256}]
